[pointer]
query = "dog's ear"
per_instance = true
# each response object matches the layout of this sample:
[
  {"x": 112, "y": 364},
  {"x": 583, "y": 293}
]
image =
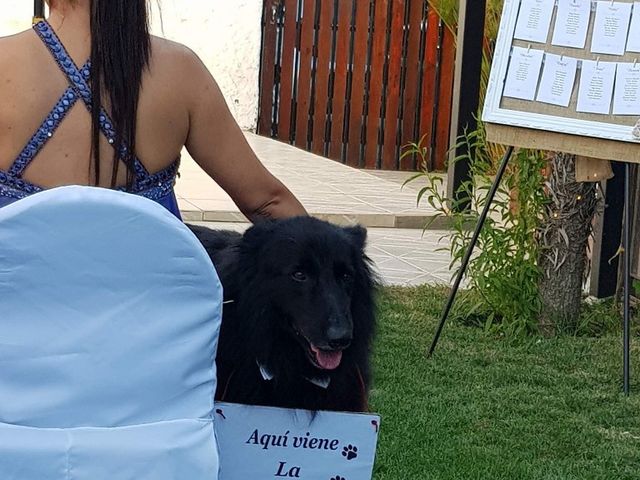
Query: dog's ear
[
  {"x": 255, "y": 237},
  {"x": 358, "y": 235}
]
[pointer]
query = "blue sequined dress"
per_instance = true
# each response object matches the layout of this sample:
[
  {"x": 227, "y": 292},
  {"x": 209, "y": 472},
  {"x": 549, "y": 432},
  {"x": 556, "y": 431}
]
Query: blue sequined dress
[{"x": 158, "y": 186}]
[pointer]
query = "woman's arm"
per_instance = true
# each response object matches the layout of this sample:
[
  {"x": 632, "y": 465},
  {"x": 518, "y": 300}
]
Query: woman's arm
[{"x": 217, "y": 144}]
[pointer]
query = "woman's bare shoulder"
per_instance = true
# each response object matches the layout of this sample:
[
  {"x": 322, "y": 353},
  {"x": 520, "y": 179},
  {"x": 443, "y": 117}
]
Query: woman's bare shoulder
[
  {"x": 15, "y": 47},
  {"x": 178, "y": 66},
  {"x": 167, "y": 53}
]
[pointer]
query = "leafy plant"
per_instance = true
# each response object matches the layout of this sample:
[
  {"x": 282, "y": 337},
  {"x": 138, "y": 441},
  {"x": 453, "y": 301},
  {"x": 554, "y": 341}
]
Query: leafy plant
[{"x": 504, "y": 271}]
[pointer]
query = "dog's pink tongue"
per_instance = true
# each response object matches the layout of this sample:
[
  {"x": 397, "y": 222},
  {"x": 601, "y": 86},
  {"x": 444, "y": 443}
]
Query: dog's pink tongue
[{"x": 327, "y": 360}]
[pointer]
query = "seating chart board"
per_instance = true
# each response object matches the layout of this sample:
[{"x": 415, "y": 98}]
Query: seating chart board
[{"x": 566, "y": 76}]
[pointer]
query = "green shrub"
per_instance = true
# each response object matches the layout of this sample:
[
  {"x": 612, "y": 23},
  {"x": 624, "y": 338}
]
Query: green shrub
[{"x": 504, "y": 272}]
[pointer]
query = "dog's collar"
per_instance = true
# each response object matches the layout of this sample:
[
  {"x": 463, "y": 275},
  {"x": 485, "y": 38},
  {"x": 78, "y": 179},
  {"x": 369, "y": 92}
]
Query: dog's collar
[
  {"x": 322, "y": 382},
  {"x": 267, "y": 376}
]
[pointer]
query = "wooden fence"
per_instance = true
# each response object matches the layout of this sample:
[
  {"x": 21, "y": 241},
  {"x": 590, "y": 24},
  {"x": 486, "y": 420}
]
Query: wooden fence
[{"x": 355, "y": 80}]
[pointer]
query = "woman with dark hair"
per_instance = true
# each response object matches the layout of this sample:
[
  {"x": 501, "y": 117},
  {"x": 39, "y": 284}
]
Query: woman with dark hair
[{"x": 119, "y": 119}]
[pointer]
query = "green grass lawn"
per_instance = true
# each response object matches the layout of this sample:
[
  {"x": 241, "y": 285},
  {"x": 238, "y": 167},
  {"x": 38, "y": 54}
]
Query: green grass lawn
[{"x": 489, "y": 408}]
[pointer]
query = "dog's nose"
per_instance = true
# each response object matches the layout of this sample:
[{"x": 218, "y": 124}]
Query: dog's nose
[{"x": 339, "y": 337}]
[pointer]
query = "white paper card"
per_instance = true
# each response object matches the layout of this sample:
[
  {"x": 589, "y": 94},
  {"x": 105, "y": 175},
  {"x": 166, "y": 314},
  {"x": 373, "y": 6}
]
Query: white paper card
[
  {"x": 596, "y": 87},
  {"x": 558, "y": 79},
  {"x": 534, "y": 20},
  {"x": 634, "y": 31},
  {"x": 572, "y": 23},
  {"x": 611, "y": 27},
  {"x": 524, "y": 73},
  {"x": 257, "y": 443},
  {"x": 626, "y": 100}
]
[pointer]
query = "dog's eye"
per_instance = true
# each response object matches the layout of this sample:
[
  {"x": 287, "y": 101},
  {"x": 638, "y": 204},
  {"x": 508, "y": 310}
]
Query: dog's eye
[{"x": 299, "y": 276}]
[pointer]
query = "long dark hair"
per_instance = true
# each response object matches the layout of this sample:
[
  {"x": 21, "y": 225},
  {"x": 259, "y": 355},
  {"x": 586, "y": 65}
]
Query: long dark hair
[{"x": 120, "y": 51}]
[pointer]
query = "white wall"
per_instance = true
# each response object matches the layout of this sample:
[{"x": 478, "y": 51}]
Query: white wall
[{"x": 224, "y": 33}]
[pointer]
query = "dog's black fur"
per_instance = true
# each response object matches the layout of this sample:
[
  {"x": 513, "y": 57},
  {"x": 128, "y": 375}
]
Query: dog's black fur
[{"x": 290, "y": 284}]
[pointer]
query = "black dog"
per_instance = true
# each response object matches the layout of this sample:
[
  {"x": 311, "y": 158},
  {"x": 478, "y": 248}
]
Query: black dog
[{"x": 299, "y": 314}]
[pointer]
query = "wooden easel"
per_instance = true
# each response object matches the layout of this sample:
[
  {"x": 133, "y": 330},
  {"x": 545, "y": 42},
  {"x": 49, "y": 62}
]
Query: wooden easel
[
  {"x": 525, "y": 138},
  {"x": 536, "y": 125}
]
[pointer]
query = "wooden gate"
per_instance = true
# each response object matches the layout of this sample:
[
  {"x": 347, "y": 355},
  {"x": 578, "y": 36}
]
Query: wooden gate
[{"x": 354, "y": 80}]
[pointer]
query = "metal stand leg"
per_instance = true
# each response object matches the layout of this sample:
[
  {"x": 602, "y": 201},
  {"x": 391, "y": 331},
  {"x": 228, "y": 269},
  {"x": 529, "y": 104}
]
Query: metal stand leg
[
  {"x": 471, "y": 247},
  {"x": 627, "y": 279}
]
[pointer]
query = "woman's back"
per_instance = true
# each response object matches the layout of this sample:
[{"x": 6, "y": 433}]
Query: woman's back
[
  {"x": 156, "y": 97},
  {"x": 31, "y": 83}
]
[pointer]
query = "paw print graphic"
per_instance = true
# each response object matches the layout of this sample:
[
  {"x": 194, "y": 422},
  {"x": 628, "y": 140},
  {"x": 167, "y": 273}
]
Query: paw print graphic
[
  {"x": 350, "y": 452},
  {"x": 338, "y": 477}
]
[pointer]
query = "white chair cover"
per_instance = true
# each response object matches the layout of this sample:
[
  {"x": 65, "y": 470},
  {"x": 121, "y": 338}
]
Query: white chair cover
[{"x": 110, "y": 311}]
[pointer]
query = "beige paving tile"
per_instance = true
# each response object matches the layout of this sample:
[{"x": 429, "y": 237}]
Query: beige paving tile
[
  {"x": 194, "y": 191},
  {"x": 397, "y": 250},
  {"x": 407, "y": 280},
  {"x": 210, "y": 205},
  {"x": 189, "y": 211},
  {"x": 427, "y": 279},
  {"x": 191, "y": 216},
  {"x": 370, "y": 220},
  {"x": 185, "y": 204},
  {"x": 218, "y": 216},
  {"x": 430, "y": 266}
]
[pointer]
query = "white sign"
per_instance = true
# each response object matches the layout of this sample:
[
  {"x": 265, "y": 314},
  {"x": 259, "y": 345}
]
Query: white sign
[
  {"x": 611, "y": 27},
  {"x": 596, "y": 87},
  {"x": 626, "y": 100},
  {"x": 524, "y": 73},
  {"x": 558, "y": 79},
  {"x": 261, "y": 443},
  {"x": 572, "y": 23},
  {"x": 534, "y": 20},
  {"x": 634, "y": 31}
]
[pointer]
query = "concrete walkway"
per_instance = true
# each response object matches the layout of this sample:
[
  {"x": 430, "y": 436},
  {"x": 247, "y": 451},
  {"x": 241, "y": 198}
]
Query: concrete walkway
[
  {"x": 328, "y": 190},
  {"x": 402, "y": 252}
]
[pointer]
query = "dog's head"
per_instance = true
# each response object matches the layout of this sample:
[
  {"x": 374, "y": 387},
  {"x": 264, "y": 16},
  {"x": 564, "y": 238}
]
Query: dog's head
[{"x": 318, "y": 279}]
